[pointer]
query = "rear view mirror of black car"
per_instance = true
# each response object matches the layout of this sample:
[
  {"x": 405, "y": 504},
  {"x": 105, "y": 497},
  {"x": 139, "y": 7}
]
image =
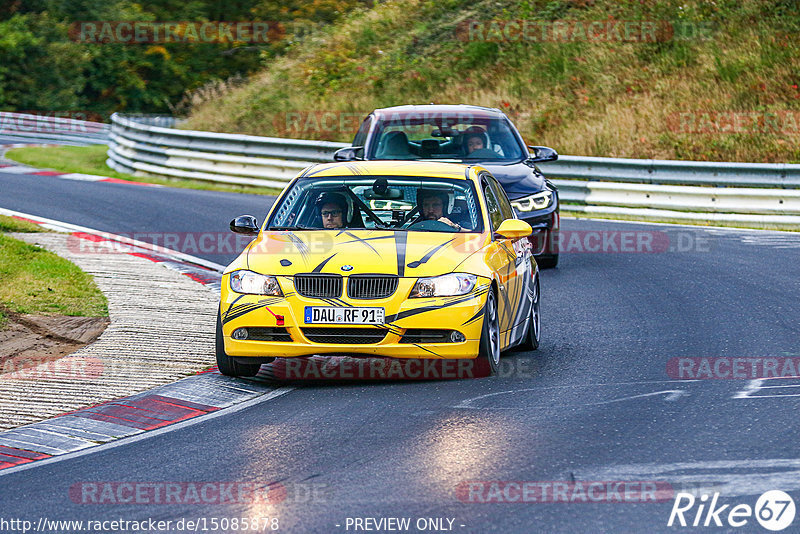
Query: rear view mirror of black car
[
  {"x": 542, "y": 153},
  {"x": 349, "y": 153}
]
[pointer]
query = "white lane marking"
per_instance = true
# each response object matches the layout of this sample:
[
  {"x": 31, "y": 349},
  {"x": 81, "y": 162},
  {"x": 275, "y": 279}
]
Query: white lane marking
[
  {"x": 710, "y": 476},
  {"x": 672, "y": 395},
  {"x": 467, "y": 403},
  {"x": 17, "y": 170},
  {"x": 152, "y": 433},
  {"x": 59, "y": 226},
  {"x": 754, "y": 386},
  {"x": 82, "y": 177}
]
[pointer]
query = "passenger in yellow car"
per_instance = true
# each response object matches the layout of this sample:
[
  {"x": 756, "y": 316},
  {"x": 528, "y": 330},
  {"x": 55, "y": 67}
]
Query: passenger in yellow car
[
  {"x": 431, "y": 204},
  {"x": 332, "y": 209}
]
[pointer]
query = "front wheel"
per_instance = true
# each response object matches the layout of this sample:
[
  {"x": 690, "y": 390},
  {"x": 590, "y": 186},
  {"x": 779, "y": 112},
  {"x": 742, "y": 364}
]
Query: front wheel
[
  {"x": 227, "y": 365},
  {"x": 489, "y": 348}
]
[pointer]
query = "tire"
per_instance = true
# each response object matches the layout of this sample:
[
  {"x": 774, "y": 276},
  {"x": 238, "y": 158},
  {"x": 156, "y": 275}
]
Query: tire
[
  {"x": 547, "y": 261},
  {"x": 534, "y": 327},
  {"x": 488, "y": 359},
  {"x": 227, "y": 365}
]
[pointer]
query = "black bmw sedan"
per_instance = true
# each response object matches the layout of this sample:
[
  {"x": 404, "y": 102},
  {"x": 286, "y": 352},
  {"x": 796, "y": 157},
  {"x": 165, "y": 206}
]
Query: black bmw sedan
[{"x": 469, "y": 134}]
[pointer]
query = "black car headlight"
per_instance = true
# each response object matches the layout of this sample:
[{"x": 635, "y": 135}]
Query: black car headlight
[
  {"x": 537, "y": 201},
  {"x": 255, "y": 284}
]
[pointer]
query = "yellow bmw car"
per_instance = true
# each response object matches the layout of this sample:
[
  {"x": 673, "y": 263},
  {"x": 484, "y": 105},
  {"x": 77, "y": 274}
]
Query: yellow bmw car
[{"x": 381, "y": 259}]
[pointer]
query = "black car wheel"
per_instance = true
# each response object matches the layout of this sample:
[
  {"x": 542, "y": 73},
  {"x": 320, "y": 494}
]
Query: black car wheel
[
  {"x": 547, "y": 261},
  {"x": 227, "y": 365}
]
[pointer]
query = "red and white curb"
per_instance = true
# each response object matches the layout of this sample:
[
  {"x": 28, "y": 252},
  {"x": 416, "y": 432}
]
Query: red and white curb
[
  {"x": 10, "y": 167},
  {"x": 158, "y": 408},
  {"x": 202, "y": 271}
]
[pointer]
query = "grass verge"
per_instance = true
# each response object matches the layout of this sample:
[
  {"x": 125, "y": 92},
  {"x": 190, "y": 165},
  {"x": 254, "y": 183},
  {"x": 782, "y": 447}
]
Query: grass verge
[
  {"x": 10, "y": 224},
  {"x": 670, "y": 95},
  {"x": 92, "y": 160},
  {"x": 39, "y": 282}
]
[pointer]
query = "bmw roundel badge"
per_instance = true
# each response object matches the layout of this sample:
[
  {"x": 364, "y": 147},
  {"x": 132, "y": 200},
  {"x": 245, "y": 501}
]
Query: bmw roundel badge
[{"x": 347, "y": 267}]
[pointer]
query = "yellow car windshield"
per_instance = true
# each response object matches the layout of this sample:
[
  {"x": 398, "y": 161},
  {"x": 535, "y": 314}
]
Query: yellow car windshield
[{"x": 395, "y": 203}]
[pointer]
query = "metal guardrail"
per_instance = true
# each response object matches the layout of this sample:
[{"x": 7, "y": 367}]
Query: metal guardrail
[
  {"x": 28, "y": 128},
  {"x": 752, "y": 194},
  {"x": 671, "y": 172}
]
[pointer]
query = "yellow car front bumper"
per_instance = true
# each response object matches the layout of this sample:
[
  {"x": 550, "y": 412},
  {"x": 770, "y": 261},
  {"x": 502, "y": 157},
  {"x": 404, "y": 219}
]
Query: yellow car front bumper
[{"x": 404, "y": 317}]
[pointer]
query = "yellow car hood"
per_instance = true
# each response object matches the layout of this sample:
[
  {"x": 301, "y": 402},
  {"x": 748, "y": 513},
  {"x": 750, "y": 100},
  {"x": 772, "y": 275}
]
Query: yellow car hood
[{"x": 361, "y": 252}]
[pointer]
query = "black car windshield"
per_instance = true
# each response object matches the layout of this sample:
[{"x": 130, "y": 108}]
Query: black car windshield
[
  {"x": 395, "y": 203},
  {"x": 457, "y": 137}
]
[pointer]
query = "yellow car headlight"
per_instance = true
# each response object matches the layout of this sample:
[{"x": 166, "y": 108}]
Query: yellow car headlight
[
  {"x": 448, "y": 285},
  {"x": 255, "y": 284}
]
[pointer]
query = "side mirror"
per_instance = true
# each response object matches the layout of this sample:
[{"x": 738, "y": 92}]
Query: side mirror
[
  {"x": 542, "y": 153},
  {"x": 349, "y": 153},
  {"x": 245, "y": 224},
  {"x": 513, "y": 229}
]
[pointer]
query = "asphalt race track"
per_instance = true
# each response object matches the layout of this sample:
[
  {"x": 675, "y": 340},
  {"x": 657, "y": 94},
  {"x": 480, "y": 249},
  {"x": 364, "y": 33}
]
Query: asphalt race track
[{"x": 596, "y": 403}]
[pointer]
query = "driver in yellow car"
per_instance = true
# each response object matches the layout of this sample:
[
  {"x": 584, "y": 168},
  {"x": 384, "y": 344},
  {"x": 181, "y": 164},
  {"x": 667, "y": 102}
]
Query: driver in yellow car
[
  {"x": 431, "y": 207},
  {"x": 332, "y": 208}
]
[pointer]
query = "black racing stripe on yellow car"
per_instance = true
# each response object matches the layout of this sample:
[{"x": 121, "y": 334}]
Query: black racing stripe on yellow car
[
  {"x": 376, "y": 238},
  {"x": 394, "y": 329},
  {"x": 474, "y": 318},
  {"x": 316, "y": 171},
  {"x": 426, "y": 349},
  {"x": 231, "y": 305},
  {"x": 401, "y": 240},
  {"x": 506, "y": 303},
  {"x": 324, "y": 262},
  {"x": 428, "y": 255},
  {"x": 355, "y": 169},
  {"x": 243, "y": 309},
  {"x": 238, "y": 313},
  {"x": 299, "y": 243},
  {"x": 480, "y": 290},
  {"x": 267, "y": 301},
  {"x": 357, "y": 239},
  {"x": 422, "y": 309}
]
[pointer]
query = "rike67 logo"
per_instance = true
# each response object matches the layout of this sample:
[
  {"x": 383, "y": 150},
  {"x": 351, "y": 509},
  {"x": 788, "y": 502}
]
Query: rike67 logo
[{"x": 774, "y": 510}]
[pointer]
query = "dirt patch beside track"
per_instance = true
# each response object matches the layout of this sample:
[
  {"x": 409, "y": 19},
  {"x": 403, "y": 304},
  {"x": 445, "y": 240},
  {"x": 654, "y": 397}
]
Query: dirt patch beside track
[{"x": 30, "y": 340}]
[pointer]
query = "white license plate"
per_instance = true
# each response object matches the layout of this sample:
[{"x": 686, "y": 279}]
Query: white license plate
[{"x": 339, "y": 315}]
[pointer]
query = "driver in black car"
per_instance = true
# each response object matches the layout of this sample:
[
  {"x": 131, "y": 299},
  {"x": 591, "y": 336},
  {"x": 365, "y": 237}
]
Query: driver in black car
[{"x": 431, "y": 205}]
